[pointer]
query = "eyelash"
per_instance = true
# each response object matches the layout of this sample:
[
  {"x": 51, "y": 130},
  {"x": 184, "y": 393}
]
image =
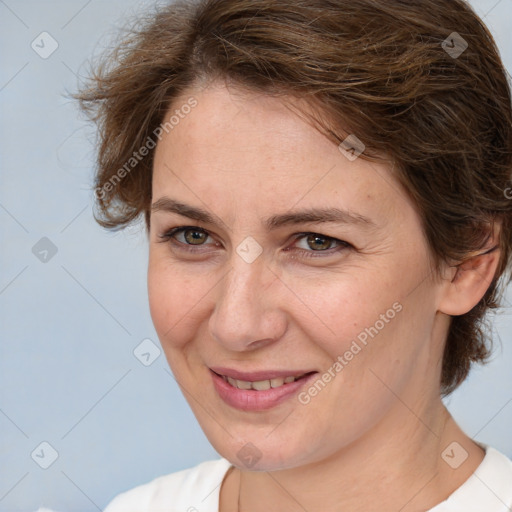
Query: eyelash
[{"x": 168, "y": 236}]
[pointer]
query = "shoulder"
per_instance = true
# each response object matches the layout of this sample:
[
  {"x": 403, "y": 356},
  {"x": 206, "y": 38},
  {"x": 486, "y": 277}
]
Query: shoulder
[
  {"x": 183, "y": 491},
  {"x": 489, "y": 488}
]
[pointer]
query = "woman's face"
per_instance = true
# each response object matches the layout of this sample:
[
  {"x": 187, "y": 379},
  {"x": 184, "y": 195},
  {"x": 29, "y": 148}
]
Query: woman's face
[{"x": 304, "y": 261}]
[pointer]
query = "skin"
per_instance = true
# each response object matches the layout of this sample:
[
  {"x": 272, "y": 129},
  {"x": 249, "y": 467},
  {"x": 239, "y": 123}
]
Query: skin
[{"x": 372, "y": 438}]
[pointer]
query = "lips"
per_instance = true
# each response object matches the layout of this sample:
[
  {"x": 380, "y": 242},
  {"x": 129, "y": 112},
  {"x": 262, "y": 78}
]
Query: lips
[
  {"x": 257, "y": 391},
  {"x": 258, "y": 375}
]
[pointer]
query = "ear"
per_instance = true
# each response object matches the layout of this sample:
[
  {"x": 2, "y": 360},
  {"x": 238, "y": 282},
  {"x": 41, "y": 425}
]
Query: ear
[{"x": 467, "y": 282}]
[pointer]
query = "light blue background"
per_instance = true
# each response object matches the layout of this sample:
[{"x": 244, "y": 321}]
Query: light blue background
[{"x": 69, "y": 326}]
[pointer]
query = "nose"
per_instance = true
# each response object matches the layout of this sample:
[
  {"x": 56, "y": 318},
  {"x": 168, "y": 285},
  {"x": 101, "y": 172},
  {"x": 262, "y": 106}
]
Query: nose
[{"x": 248, "y": 312}]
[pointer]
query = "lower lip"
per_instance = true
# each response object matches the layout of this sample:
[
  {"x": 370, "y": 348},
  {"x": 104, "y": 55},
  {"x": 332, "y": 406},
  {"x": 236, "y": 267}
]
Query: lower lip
[{"x": 252, "y": 400}]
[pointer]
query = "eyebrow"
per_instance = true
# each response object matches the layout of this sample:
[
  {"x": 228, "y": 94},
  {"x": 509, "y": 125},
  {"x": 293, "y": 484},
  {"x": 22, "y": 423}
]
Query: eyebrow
[{"x": 310, "y": 215}]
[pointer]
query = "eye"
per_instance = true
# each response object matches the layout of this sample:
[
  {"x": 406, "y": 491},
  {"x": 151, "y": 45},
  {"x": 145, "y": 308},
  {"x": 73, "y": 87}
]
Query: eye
[
  {"x": 317, "y": 243},
  {"x": 194, "y": 236},
  {"x": 186, "y": 236}
]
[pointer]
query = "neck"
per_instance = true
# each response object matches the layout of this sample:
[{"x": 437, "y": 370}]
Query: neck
[{"x": 396, "y": 466}]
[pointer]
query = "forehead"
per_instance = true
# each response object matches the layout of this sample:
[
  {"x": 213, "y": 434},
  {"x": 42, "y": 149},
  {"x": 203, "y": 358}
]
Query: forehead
[
  {"x": 235, "y": 124},
  {"x": 251, "y": 151}
]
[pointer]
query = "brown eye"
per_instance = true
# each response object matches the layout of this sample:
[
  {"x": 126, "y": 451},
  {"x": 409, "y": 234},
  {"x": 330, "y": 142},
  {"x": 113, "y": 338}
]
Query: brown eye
[
  {"x": 194, "y": 237},
  {"x": 311, "y": 245},
  {"x": 319, "y": 242},
  {"x": 186, "y": 236}
]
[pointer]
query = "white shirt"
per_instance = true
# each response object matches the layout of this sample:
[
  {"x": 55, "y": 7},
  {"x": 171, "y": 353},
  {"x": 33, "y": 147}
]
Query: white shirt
[{"x": 488, "y": 489}]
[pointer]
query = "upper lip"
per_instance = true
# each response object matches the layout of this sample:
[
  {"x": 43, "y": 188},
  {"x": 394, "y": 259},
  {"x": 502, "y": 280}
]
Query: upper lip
[{"x": 258, "y": 375}]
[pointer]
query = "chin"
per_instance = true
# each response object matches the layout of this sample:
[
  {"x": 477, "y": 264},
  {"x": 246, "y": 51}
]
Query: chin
[{"x": 269, "y": 447}]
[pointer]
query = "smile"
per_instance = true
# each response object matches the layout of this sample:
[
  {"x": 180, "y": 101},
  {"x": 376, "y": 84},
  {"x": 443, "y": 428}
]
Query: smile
[
  {"x": 261, "y": 385},
  {"x": 258, "y": 391}
]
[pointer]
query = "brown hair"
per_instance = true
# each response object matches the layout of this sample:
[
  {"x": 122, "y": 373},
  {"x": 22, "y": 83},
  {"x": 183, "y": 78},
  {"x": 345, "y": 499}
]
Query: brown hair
[{"x": 390, "y": 71}]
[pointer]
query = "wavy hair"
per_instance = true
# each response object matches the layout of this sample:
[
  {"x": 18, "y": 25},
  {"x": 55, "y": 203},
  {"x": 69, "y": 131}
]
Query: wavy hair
[{"x": 419, "y": 82}]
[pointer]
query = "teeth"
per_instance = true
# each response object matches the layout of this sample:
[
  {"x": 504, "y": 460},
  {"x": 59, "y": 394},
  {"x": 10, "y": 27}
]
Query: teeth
[
  {"x": 260, "y": 385},
  {"x": 275, "y": 383},
  {"x": 242, "y": 384}
]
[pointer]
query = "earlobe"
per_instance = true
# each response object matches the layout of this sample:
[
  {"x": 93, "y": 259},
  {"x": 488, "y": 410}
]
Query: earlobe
[{"x": 469, "y": 282}]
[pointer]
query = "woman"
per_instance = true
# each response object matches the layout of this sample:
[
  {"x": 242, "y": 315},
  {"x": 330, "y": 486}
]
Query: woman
[{"x": 324, "y": 187}]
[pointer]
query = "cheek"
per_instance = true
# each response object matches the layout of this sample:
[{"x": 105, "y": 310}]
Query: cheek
[
  {"x": 365, "y": 323},
  {"x": 173, "y": 299},
  {"x": 344, "y": 308},
  {"x": 381, "y": 337}
]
